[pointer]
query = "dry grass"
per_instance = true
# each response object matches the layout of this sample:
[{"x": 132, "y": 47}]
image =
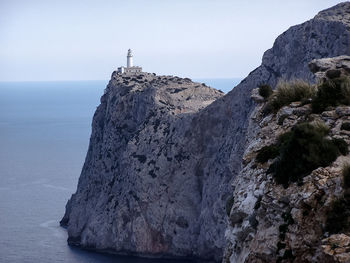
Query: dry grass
[{"x": 288, "y": 92}]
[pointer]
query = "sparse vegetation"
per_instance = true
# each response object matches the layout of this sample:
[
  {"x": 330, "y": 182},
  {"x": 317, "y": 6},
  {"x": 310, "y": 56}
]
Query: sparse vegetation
[
  {"x": 266, "y": 153},
  {"x": 296, "y": 90},
  {"x": 338, "y": 218},
  {"x": 265, "y": 91},
  {"x": 304, "y": 149},
  {"x": 341, "y": 145},
  {"x": 287, "y": 92},
  {"x": 331, "y": 93}
]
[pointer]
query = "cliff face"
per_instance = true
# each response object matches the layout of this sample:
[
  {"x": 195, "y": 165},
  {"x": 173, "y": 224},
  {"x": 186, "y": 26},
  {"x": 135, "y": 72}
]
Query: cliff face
[
  {"x": 272, "y": 223},
  {"x": 162, "y": 154},
  {"x": 327, "y": 35},
  {"x": 140, "y": 189}
]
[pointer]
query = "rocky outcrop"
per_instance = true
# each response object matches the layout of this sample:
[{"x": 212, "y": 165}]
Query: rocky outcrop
[
  {"x": 327, "y": 35},
  {"x": 272, "y": 223},
  {"x": 162, "y": 154},
  {"x": 339, "y": 14},
  {"x": 330, "y": 67},
  {"x": 337, "y": 247},
  {"x": 140, "y": 189}
]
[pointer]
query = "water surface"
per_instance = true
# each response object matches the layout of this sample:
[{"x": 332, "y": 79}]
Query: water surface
[{"x": 44, "y": 135}]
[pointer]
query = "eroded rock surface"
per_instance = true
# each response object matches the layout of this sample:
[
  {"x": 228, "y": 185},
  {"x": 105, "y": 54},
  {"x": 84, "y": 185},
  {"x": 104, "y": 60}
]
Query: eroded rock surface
[
  {"x": 140, "y": 189},
  {"x": 330, "y": 67},
  {"x": 162, "y": 154},
  {"x": 271, "y": 223}
]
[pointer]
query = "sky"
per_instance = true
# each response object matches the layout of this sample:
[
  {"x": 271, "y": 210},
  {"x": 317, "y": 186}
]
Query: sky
[{"x": 87, "y": 40}]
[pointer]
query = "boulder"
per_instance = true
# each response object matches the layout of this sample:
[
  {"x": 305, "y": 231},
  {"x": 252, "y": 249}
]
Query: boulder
[{"x": 330, "y": 67}]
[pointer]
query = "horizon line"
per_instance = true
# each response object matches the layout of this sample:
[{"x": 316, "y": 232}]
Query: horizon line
[{"x": 65, "y": 80}]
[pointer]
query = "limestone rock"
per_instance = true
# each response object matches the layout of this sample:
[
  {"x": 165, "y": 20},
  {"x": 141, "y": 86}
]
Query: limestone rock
[
  {"x": 330, "y": 67},
  {"x": 164, "y": 151},
  {"x": 263, "y": 211},
  {"x": 300, "y": 209},
  {"x": 256, "y": 96},
  {"x": 327, "y": 35},
  {"x": 141, "y": 186},
  {"x": 337, "y": 246},
  {"x": 340, "y": 13}
]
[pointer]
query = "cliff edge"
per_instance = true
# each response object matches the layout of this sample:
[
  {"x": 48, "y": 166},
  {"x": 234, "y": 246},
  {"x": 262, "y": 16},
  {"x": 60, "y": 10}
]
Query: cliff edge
[
  {"x": 291, "y": 201},
  {"x": 139, "y": 191},
  {"x": 164, "y": 151}
]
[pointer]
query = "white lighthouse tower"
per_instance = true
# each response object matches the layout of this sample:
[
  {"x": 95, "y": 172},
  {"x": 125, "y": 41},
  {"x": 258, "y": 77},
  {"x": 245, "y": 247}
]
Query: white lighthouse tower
[
  {"x": 129, "y": 65},
  {"x": 129, "y": 61}
]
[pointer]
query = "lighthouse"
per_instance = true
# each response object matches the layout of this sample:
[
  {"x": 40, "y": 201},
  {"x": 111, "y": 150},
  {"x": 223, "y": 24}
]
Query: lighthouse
[
  {"x": 129, "y": 63},
  {"x": 130, "y": 68}
]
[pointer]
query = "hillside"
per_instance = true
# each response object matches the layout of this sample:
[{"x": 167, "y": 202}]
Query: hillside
[{"x": 291, "y": 198}]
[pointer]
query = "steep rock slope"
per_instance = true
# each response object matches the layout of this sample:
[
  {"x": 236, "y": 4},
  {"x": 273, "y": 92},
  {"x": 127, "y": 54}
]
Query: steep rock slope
[
  {"x": 272, "y": 223},
  {"x": 158, "y": 171},
  {"x": 139, "y": 191}
]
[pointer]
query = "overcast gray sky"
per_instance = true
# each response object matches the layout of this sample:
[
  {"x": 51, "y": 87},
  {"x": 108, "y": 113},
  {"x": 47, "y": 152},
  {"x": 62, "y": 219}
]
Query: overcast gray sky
[{"x": 83, "y": 40}]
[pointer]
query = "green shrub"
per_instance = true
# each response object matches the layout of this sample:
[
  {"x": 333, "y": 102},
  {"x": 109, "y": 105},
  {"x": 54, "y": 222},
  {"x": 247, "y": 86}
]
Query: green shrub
[
  {"x": 341, "y": 145},
  {"x": 266, "y": 153},
  {"x": 229, "y": 204},
  {"x": 271, "y": 106},
  {"x": 338, "y": 217},
  {"x": 332, "y": 92},
  {"x": 302, "y": 150},
  {"x": 346, "y": 176},
  {"x": 320, "y": 126},
  {"x": 345, "y": 126},
  {"x": 288, "y": 92},
  {"x": 265, "y": 91}
]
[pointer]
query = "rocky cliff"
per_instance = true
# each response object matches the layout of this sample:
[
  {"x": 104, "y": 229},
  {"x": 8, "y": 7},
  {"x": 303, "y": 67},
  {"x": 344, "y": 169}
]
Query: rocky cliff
[
  {"x": 140, "y": 189},
  {"x": 162, "y": 154},
  {"x": 272, "y": 222}
]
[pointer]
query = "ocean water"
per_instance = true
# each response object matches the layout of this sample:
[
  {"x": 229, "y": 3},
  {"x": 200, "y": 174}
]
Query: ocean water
[{"x": 44, "y": 135}]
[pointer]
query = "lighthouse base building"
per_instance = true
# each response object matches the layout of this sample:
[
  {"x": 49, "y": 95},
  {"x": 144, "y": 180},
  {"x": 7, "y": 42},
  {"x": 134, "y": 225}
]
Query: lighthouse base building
[
  {"x": 129, "y": 70},
  {"x": 130, "y": 67}
]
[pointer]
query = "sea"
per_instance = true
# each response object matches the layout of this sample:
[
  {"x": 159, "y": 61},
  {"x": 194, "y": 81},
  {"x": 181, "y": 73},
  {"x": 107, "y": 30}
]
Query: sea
[{"x": 44, "y": 135}]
